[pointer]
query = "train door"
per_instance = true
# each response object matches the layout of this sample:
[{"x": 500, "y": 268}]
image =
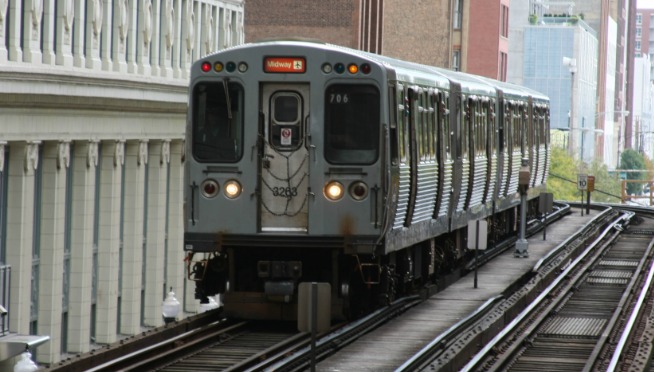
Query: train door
[{"x": 284, "y": 163}]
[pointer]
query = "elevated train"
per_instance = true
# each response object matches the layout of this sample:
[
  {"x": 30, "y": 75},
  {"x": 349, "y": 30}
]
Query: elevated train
[{"x": 310, "y": 162}]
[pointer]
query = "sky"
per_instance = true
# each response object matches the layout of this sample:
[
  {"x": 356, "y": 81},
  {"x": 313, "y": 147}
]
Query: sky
[{"x": 645, "y": 4}]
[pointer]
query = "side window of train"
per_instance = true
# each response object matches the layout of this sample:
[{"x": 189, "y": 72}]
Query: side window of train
[
  {"x": 394, "y": 115},
  {"x": 465, "y": 125},
  {"x": 506, "y": 126},
  {"x": 423, "y": 129},
  {"x": 217, "y": 122},
  {"x": 492, "y": 126},
  {"x": 517, "y": 128},
  {"x": 402, "y": 122},
  {"x": 443, "y": 136},
  {"x": 431, "y": 115},
  {"x": 352, "y": 123}
]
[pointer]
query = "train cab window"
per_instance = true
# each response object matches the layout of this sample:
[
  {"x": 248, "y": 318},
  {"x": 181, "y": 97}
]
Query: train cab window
[
  {"x": 217, "y": 122},
  {"x": 286, "y": 129},
  {"x": 351, "y": 124}
]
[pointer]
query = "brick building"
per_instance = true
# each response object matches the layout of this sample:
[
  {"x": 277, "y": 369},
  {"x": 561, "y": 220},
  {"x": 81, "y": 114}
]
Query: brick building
[{"x": 417, "y": 31}]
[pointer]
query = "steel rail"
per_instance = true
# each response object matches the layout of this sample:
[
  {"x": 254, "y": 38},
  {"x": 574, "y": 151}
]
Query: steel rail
[
  {"x": 152, "y": 353},
  {"x": 617, "y": 353},
  {"x": 473, "y": 363},
  {"x": 418, "y": 360},
  {"x": 342, "y": 337}
]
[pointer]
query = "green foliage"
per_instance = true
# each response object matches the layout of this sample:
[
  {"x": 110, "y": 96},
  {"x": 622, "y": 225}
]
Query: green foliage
[
  {"x": 607, "y": 186},
  {"x": 633, "y": 160},
  {"x": 562, "y": 180}
]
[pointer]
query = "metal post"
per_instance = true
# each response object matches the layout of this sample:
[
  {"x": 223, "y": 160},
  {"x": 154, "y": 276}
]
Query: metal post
[
  {"x": 522, "y": 245},
  {"x": 582, "y": 203},
  {"x": 314, "y": 325},
  {"x": 588, "y": 203},
  {"x": 476, "y": 250}
]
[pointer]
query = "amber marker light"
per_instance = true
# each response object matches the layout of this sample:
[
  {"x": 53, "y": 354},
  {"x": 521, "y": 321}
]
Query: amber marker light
[
  {"x": 218, "y": 66},
  {"x": 352, "y": 68},
  {"x": 232, "y": 189},
  {"x": 333, "y": 190}
]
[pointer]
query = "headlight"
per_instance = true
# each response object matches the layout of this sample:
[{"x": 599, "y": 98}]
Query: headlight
[
  {"x": 232, "y": 189},
  {"x": 333, "y": 190},
  {"x": 209, "y": 188},
  {"x": 358, "y": 190}
]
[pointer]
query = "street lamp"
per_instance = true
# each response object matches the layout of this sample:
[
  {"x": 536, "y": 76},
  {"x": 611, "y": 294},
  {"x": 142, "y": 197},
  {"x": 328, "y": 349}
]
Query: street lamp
[{"x": 571, "y": 63}]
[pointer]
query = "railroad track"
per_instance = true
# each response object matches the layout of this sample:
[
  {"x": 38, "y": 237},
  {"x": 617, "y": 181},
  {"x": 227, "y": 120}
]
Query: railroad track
[{"x": 584, "y": 319}]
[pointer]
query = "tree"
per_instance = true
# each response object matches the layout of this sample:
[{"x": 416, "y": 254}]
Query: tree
[
  {"x": 562, "y": 180},
  {"x": 608, "y": 187},
  {"x": 633, "y": 160}
]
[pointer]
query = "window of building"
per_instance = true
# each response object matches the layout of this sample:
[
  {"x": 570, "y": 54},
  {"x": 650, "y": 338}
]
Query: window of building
[
  {"x": 504, "y": 21},
  {"x": 639, "y": 32},
  {"x": 503, "y": 65},
  {"x": 457, "y": 17},
  {"x": 637, "y": 45},
  {"x": 456, "y": 60},
  {"x": 639, "y": 18}
]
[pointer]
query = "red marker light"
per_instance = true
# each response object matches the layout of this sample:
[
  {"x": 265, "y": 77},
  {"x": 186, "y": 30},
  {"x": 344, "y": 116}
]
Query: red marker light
[
  {"x": 206, "y": 67},
  {"x": 365, "y": 68}
]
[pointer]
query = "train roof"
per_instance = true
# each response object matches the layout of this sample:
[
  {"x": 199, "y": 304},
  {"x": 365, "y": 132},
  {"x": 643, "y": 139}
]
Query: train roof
[{"x": 408, "y": 72}]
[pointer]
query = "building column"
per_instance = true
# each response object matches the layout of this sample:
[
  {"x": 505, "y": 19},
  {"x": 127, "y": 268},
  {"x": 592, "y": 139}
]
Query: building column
[
  {"x": 3, "y": 21},
  {"x": 159, "y": 154},
  {"x": 112, "y": 159},
  {"x": 79, "y": 32},
  {"x": 175, "y": 253},
  {"x": 81, "y": 250},
  {"x": 23, "y": 160},
  {"x": 32, "y": 16},
  {"x": 64, "y": 32},
  {"x": 56, "y": 159},
  {"x": 15, "y": 14},
  {"x": 93, "y": 27},
  {"x": 136, "y": 156}
]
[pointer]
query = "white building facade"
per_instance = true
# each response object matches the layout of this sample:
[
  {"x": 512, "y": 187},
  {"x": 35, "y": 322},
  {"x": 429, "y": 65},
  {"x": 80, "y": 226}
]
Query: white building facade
[
  {"x": 93, "y": 100},
  {"x": 642, "y": 118}
]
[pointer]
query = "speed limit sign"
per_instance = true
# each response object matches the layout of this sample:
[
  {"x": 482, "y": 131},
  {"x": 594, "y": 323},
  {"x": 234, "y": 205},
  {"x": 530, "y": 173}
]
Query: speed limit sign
[{"x": 582, "y": 182}]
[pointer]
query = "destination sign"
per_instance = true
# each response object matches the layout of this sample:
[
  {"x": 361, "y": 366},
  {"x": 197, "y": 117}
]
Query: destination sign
[{"x": 293, "y": 65}]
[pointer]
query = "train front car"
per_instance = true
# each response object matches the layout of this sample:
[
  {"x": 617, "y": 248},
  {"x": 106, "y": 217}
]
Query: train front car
[{"x": 284, "y": 172}]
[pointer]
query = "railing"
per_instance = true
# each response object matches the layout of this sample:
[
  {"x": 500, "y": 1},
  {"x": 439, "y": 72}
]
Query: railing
[
  {"x": 5, "y": 285},
  {"x": 159, "y": 38}
]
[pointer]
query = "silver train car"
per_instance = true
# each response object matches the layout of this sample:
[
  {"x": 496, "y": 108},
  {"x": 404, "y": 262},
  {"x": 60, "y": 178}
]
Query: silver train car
[{"x": 309, "y": 162}]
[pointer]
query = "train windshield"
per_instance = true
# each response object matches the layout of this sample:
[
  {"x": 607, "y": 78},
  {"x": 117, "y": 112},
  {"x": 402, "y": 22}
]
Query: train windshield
[
  {"x": 351, "y": 124},
  {"x": 218, "y": 122}
]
